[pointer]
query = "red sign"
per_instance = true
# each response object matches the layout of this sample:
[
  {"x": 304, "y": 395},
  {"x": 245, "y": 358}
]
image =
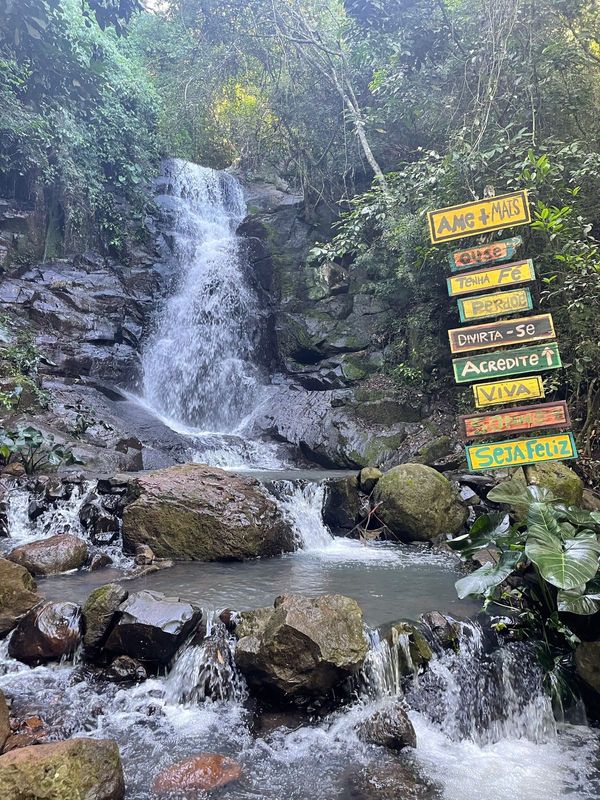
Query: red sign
[{"x": 516, "y": 420}]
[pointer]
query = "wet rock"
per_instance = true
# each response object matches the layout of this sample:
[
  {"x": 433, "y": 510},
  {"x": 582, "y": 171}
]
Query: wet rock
[
  {"x": 204, "y": 514},
  {"x": 587, "y": 664},
  {"x": 151, "y": 627},
  {"x": 559, "y": 479},
  {"x": 591, "y": 500},
  {"x": 14, "y": 470},
  {"x": 411, "y": 645},
  {"x": 391, "y": 780},
  {"x": 17, "y": 594},
  {"x": 56, "y": 554},
  {"x": 101, "y": 525},
  {"x": 89, "y": 769},
  {"x": 200, "y": 773},
  {"x": 388, "y": 727},
  {"x": 4, "y": 721},
  {"x": 98, "y": 613},
  {"x": 341, "y": 509},
  {"x": 304, "y": 648},
  {"x": 419, "y": 504},
  {"x": 443, "y": 630},
  {"x": 143, "y": 555},
  {"x": 126, "y": 670},
  {"x": 367, "y": 479},
  {"x": 99, "y": 561},
  {"x": 49, "y": 632}
]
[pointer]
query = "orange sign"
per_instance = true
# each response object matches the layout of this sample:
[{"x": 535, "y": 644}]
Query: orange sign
[
  {"x": 516, "y": 420},
  {"x": 485, "y": 254}
]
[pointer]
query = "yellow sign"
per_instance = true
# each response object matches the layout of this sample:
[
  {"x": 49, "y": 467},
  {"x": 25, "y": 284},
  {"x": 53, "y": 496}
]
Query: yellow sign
[
  {"x": 518, "y": 389},
  {"x": 470, "y": 219},
  {"x": 516, "y": 452},
  {"x": 491, "y": 278},
  {"x": 495, "y": 304}
]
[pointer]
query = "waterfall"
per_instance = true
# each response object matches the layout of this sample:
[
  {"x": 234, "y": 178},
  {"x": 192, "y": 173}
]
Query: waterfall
[
  {"x": 200, "y": 362},
  {"x": 62, "y": 516},
  {"x": 301, "y": 503}
]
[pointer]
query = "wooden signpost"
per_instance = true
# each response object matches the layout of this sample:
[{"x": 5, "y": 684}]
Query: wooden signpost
[
  {"x": 498, "y": 392},
  {"x": 504, "y": 363},
  {"x": 480, "y": 216},
  {"x": 509, "y": 366},
  {"x": 491, "y": 278},
  {"x": 516, "y": 420},
  {"x": 494, "y": 305},
  {"x": 516, "y": 452},
  {"x": 504, "y": 332},
  {"x": 485, "y": 254}
]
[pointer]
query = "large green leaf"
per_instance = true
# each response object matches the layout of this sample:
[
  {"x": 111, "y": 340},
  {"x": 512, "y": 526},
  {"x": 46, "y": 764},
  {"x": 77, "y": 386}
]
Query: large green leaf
[
  {"x": 516, "y": 494},
  {"x": 565, "y": 564},
  {"x": 583, "y": 600},
  {"x": 488, "y": 576},
  {"x": 487, "y": 529},
  {"x": 542, "y": 522}
]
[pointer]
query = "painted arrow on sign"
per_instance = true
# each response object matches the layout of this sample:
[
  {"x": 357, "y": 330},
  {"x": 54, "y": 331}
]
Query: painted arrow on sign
[
  {"x": 493, "y": 334},
  {"x": 507, "y": 362},
  {"x": 516, "y": 420}
]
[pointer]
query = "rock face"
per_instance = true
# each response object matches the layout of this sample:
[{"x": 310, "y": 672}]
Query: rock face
[
  {"x": 199, "y": 773},
  {"x": 304, "y": 648},
  {"x": 556, "y": 476},
  {"x": 341, "y": 509},
  {"x": 98, "y": 613},
  {"x": 59, "y": 553},
  {"x": 47, "y": 633},
  {"x": 587, "y": 663},
  {"x": 388, "y": 727},
  {"x": 418, "y": 503},
  {"x": 4, "y": 721},
  {"x": 151, "y": 627},
  {"x": 77, "y": 769},
  {"x": 204, "y": 514},
  {"x": 17, "y": 594}
]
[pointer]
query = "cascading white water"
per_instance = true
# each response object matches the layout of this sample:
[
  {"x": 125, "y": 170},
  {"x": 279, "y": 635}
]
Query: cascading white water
[
  {"x": 302, "y": 505},
  {"x": 199, "y": 364}
]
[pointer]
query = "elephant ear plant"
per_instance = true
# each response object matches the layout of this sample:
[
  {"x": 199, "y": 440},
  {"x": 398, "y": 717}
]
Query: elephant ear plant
[{"x": 542, "y": 564}]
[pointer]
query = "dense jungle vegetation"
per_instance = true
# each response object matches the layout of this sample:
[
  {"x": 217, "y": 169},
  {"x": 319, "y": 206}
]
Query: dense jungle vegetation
[{"x": 380, "y": 109}]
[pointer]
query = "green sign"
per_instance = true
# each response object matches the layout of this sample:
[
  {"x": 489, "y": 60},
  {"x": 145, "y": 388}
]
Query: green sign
[{"x": 507, "y": 362}]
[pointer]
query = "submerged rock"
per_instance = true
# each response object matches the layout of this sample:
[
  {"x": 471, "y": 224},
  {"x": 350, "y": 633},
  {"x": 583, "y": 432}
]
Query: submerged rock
[
  {"x": 304, "y": 648},
  {"x": 388, "y": 727},
  {"x": 126, "y": 670},
  {"x": 77, "y": 769},
  {"x": 151, "y": 627},
  {"x": 49, "y": 632},
  {"x": 59, "y": 553},
  {"x": 419, "y": 504},
  {"x": 17, "y": 594},
  {"x": 204, "y": 514},
  {"x": 98, "y": 614},
  {"x": 391, "y": 780},
  {"x": 201, "y": 773}
]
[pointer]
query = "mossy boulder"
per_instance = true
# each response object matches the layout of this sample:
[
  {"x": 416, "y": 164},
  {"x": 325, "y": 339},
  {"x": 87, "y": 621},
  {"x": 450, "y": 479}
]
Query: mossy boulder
[
  {"x": 17, "y": 594},
  {"x": 564, "y": 484},
  {"x": 419, "y": 504},
  {"x": 200, "y": 513},
  {"x": 305, "y": 649},
  {"x": 77, "y": 769}
]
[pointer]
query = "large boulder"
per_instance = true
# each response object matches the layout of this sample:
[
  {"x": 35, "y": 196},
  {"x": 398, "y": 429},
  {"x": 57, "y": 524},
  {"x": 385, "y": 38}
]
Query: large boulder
[
  {"x": 49, "y": 632},
  {"x": 418, "y": 504},
  {"x": 59, "y": 553},
  {"x": 77, "y": 769},
  {"x": 151, "y": 627},
  {"x": 388, "y": 726},
  {"x": 202, "y": 773},
  {"x": 17, "y": 594},
  {"x": 98, "y": 613},
  {"x": 564, "y": 484},
  {"x": 304, "y": 648},
  {"x": 204, "y": 514}
]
